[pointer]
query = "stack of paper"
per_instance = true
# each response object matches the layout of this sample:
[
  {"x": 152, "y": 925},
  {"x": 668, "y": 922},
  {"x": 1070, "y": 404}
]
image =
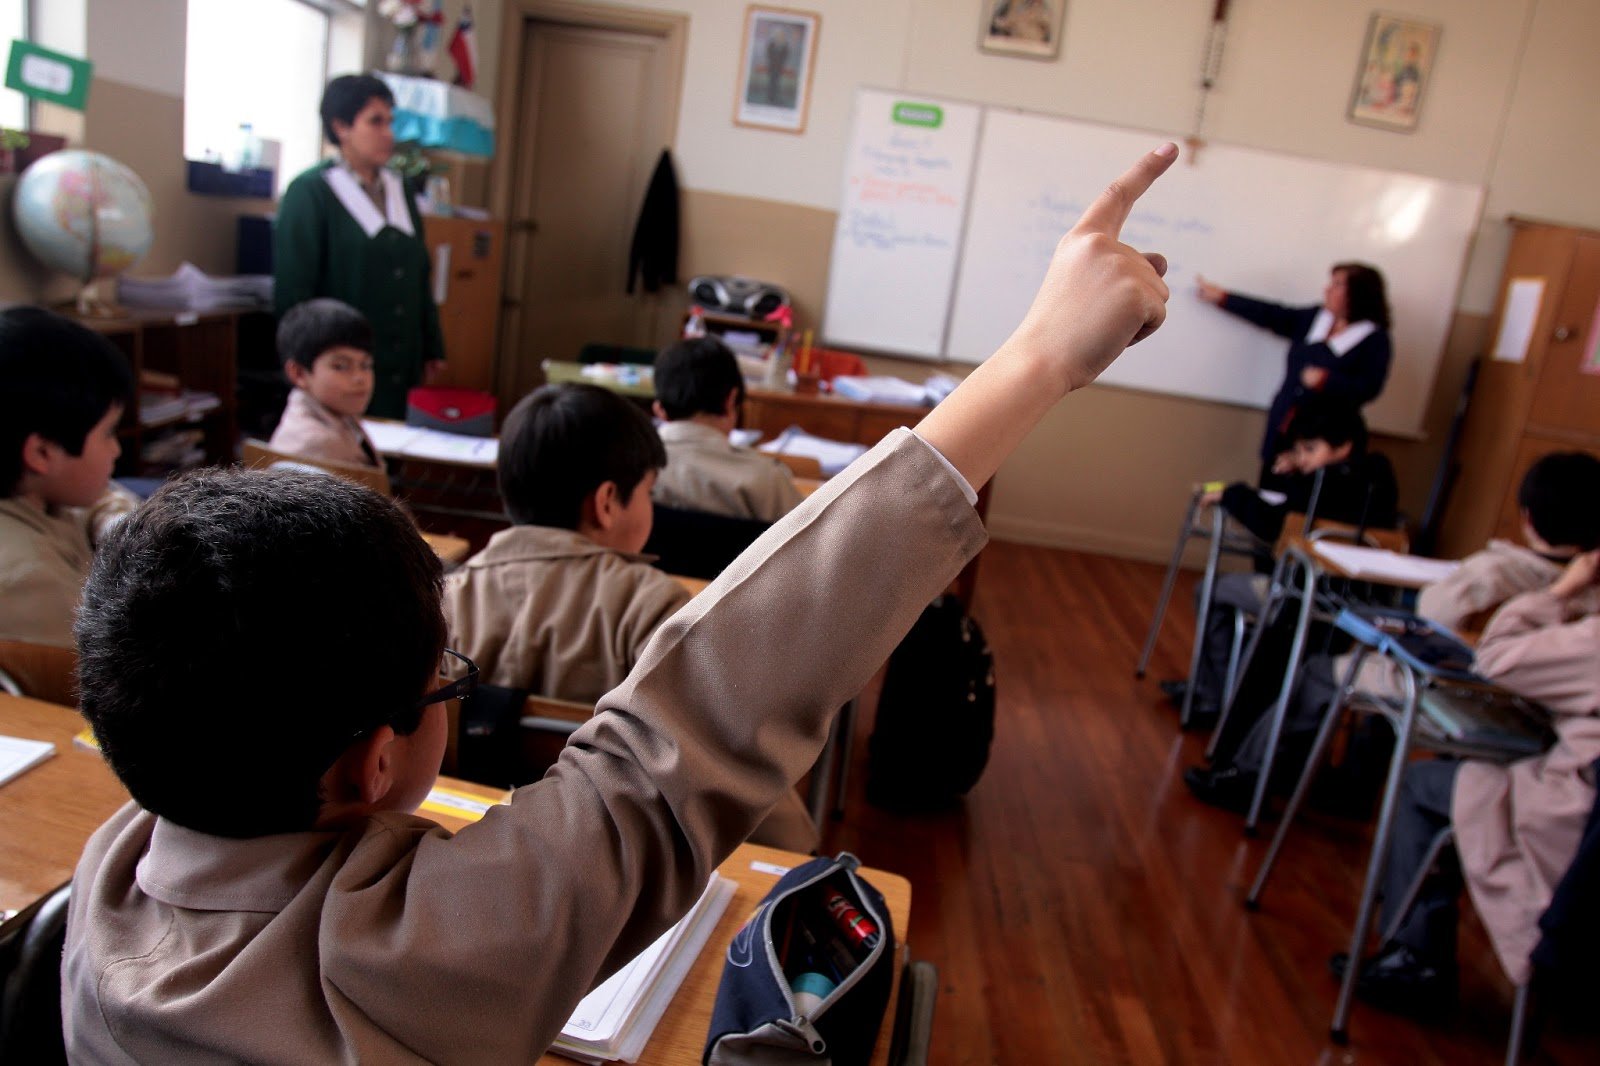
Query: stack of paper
[
  {"x": 614, "y": 1022},
  {"x": 18, "y": 756},
  {"x": 833, "y": 455},
  {"x": 417, "y": 442},
  {"x": 881, "y": 390},
  {"x": 1379, "y": 564},
  {"x": 192, "y": 289}
]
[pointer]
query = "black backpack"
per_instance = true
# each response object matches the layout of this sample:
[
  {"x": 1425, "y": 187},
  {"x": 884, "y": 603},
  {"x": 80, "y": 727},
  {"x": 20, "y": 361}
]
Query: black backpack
[{"x": 935, "y": 720}]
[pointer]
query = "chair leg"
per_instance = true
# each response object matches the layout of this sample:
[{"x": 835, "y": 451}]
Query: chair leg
[
  {"x": 1399, "y": 909},
  {"x": 1275, "y": 596},
  {"x": 1185, "y": 531},
  {"x": 1208, "y": 587},
  {"x": 1519, "y": 1018},
  {"x": 1231, "y": 679},
  {"x": 1280, "y": 710}
]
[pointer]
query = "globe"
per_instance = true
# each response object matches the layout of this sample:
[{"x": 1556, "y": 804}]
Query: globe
[{"x": 83, "y": 213}]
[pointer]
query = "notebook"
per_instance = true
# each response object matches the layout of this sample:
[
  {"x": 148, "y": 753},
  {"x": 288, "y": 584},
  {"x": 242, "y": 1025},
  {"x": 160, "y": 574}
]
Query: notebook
[
  {"x": 17, "y": 756},
  {"x": 1487, "y": 718},
  {"x": 1379, "y": 564}
]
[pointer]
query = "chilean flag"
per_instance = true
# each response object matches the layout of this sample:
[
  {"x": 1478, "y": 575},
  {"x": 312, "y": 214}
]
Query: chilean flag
[{"x": 464, "y": 50}]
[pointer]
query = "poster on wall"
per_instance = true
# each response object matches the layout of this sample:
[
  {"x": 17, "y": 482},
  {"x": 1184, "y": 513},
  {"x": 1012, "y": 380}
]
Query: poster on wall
[
  {"x": 780, "y": 51},
  {"x": 1029, "y": 28},
  {"x": 1394, "y": 71}
]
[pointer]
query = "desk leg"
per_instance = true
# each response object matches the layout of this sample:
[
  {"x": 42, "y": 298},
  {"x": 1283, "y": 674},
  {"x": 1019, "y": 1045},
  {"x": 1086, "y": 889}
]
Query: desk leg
[
  {"x": 819, "y": 801},
  {"x": 1269, "y": 610},
  {"x": 1319, "y": 750},
  {"x": 1280, "y": 710},
  {"x": 1184, "y": 532},
  {"x": 1208, "y": 586},
  {"x": 1380, "y": 853}
]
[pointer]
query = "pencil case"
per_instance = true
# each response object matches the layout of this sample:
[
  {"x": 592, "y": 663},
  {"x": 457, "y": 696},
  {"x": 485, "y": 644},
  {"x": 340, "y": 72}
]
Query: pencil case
[{"x": 807, "y": 979}]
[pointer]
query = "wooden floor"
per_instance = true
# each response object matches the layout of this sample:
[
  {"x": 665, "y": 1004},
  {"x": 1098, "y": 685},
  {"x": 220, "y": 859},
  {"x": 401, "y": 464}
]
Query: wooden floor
[{"x": 1082, "y": 907}]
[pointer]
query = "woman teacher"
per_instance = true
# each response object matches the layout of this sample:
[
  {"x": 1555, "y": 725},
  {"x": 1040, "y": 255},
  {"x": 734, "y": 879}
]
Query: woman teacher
[
  {"x": 1340, "y": 349},
  {"x": 348, "y": 228}
]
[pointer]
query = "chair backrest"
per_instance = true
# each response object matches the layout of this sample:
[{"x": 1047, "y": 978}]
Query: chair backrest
[
  {"x": 560, "y": 716},
  {"x": 30, "y": 981},
  {"x": 41, "y": 671},
  {"x": 597, "y": 352},
  {"x": 801, "y": 465},
  {"x": 263, "y": 456},
  {"x": 696, "y": 544}
]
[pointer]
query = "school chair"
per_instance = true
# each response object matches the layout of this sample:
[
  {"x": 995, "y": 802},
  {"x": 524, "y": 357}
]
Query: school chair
[
  {"x": 31, "y": 943},
  {"x": 697, "y": 544},
  {"x": 599, "y": 352},
  {"x": 913, "y": 1016},
  {"x": 39, "y": 671},
  {"x": 451, "y": 550}
]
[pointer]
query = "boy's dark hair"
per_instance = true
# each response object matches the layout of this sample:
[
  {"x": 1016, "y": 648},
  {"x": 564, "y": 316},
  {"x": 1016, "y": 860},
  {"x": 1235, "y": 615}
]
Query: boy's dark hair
[
  {"x": 1561, "y": 493},
  {"x": 561, "y": 442},
  {"x": 57, "y": 379},
  {"x": 1323, "y": 418},
  {"x": 308, "y": 329},
  {"x": 241, "y": 629},
  {"x": 694, "y": 377},
  {"x": 344, "y": 98},
  {"x": 1365, "y": 295}
]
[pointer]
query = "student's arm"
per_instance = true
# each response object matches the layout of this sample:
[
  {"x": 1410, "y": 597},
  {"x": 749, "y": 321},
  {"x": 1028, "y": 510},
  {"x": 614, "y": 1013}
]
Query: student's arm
[
  {"x": 1530, "y": 647},
  {"x": 115, "y": 504},
  {"x": 298, "y": 238},
  {"x": 1482, "y": 582}
]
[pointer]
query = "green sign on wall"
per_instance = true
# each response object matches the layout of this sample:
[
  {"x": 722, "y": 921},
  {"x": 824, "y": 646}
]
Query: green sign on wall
[{"x": 49, "y": 76}]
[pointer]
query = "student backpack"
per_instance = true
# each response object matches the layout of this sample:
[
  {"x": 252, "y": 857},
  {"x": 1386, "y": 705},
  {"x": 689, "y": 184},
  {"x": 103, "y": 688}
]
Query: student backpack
[{"x": 935, "y": 720}]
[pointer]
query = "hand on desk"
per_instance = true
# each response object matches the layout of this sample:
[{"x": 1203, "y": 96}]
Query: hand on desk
[{"x": 1579, "y": 575}]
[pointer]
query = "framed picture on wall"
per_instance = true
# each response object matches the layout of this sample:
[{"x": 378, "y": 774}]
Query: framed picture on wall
[
  {"x": 1394, "y": 70},
  {"x": 780, "y": 52},
  {"x": 1022, "y": 27}
]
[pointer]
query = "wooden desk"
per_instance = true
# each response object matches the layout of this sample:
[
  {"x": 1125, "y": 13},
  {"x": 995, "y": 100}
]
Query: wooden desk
[
  {"x": 450, "y": 549},
  {"x": 48, "y": 813}
]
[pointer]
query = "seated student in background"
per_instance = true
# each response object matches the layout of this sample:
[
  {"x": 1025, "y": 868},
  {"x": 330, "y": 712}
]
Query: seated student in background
[
  {"x": 562, "y": 604},
  {"x": 62, "y": 392},
  {"x": 1560, "y": 502},
  {"x": 326, "y": 348},
  {"x": 1517, "y": 827},
  {"x": 1326, "y": 436},
  {"x": 698, "y": 392},
  {"x": 270, "y": 896}
]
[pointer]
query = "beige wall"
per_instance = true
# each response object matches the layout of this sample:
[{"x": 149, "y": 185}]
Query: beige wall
[{"x": 1509, "y": 107}]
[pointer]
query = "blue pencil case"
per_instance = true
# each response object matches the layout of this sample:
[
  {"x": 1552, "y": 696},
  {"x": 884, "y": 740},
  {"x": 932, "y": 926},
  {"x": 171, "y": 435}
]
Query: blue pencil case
[{"x": 807, "y": 979}]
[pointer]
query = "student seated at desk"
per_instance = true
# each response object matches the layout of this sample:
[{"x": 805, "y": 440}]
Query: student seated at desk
[
  {"x": 1325, "y": 436},
  {"x": 699, "y": 391},
  {"x": 258, "y": 660},
  {"x": 562, "y": 604},
  {"x": 62, "y": 392},
  {"x": 326, "y": 348},
  {"x": 1560, "y": 502}
]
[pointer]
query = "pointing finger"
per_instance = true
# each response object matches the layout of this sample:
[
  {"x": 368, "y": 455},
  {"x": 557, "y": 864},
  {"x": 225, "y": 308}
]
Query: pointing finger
[{"x": 1110, "y": 210}]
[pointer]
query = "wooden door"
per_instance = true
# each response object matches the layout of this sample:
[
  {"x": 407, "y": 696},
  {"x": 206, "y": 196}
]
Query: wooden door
[
  {"x": 1566, "y": 402},
  {"x": 470, "y": 283},
  {"x": 595, "y": 112}
]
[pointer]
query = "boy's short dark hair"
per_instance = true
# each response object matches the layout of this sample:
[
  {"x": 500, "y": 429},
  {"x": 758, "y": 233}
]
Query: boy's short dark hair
[
  {"x": 346, "y": 95},
  {"x": 308, "y": 329},
  {"x": 1561, "y": 493},
  {"x": 241, "y": 629},
  {"x": 1323, "y": 418},
  {"x": 57, "y": 379},
  {"x": 561, "y": 442},
  {"x": 694, "y": 377}
]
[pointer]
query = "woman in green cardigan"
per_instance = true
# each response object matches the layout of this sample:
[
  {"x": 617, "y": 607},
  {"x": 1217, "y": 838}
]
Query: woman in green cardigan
[{"x": 348, "y": 228}]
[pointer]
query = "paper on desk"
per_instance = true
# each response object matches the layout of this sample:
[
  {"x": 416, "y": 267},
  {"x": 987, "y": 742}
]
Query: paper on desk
[
  {"x": 1521, "y": 312},
  {"x": 390, "y": 438},
  {"x": 417, "y": 442},
  {"x": 833, "y": 455},
  {"x": 1382, "y": 565},
  {"x": 17, "y": 755}
]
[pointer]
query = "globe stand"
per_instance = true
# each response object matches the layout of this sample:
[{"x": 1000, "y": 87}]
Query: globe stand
[{"x": 90, "y": 304}]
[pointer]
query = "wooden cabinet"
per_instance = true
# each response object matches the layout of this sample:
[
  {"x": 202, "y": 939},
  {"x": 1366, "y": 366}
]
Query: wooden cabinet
[
  {"x": 196, "y": 350},
  {"x": 1549, "y": 401},
  {"x": 468, "y": 262},
  {"x": 772, "y": 412}
]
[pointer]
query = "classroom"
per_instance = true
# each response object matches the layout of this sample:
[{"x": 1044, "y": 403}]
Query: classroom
[{"x": 1077, "y": 903}]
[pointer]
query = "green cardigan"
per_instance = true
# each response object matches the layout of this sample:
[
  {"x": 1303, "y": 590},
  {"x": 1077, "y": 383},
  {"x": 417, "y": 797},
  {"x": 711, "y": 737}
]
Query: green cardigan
[{"x": 320, "y": 250}]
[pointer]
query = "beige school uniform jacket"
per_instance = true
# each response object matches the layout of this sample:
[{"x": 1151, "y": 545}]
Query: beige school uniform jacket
[
  {"x": 314, "y": 430},
  {"x": 398, "y": 942},
  {"x": 44, "y": 559},
  {"x": 705, "y": 472},
  {"x": 1517, "y": 827},
  {"x": 550, "y": 611}
]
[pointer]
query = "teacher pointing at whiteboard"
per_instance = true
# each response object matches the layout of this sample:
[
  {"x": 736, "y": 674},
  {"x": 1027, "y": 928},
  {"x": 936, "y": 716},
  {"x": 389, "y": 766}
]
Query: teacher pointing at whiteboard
[{"x": 1340, "y": 349}]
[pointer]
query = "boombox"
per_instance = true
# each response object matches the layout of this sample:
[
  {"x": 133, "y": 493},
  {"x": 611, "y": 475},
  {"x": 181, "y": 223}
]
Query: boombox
[{"x": 734, "y": 295}]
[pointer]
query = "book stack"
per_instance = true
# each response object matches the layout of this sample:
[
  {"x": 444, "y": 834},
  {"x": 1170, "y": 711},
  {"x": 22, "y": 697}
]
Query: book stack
[
  {"x": 832, "y": 455},
  {"x": 614, "y": 1022}
]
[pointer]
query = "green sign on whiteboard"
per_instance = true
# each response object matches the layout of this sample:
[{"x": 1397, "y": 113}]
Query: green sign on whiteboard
[
  {"x": 929, "y": 115},
  {"x": 49, "y": 76}
]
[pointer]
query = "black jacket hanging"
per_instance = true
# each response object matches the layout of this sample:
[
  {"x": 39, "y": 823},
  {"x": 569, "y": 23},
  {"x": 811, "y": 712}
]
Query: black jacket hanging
[{"x": 653, "y": 258}]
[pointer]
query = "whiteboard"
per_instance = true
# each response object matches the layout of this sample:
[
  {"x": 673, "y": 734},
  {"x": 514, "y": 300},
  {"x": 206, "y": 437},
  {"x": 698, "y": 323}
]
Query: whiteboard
[
  {"x": 898, "y": 237},
  {"x": 1254, "y": 222}
]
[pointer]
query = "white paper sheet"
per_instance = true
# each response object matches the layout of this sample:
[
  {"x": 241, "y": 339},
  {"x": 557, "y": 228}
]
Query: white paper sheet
[
  {"x": 18, "y": 755},
  {"x": 1523, "y": 297},
  {"x": 1379, "y": 564}
]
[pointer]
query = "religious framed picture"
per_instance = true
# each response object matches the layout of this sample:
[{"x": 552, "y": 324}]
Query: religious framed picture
[
  {"x": 1395, "y": 65},
  {"x": 1022, "y": 27},
  {"x": 780, "y": 53}
]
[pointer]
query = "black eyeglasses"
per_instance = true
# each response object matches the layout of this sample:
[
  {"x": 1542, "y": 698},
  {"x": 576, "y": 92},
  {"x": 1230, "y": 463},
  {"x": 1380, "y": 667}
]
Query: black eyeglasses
[{"x": 458, "y": 689}]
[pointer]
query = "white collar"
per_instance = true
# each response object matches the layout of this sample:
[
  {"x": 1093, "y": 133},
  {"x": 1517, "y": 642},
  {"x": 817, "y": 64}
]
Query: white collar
[
  {"x": 1353, "y": 334},
  {"x": 361, "y": 207}
]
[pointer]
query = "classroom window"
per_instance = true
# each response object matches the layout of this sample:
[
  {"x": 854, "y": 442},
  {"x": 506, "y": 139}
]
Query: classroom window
[
  {"x": 13, "y": 27},
  {"x": 267, "y": 69}
]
